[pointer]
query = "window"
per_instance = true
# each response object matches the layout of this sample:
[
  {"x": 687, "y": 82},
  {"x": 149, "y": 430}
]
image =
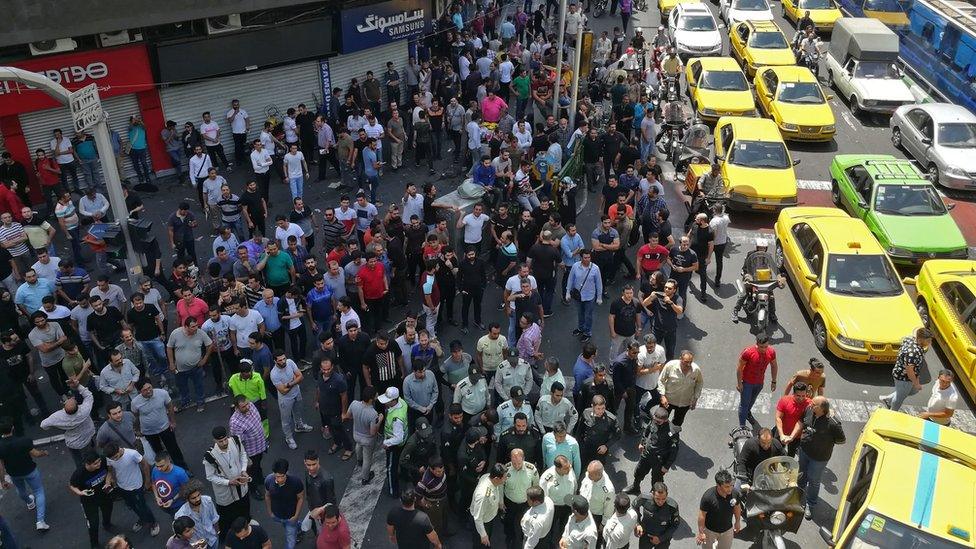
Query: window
[
  {"x": 696, "y": 71},
  {"x": 806, "y": 240},
  {"x": 860, "y": 484},
  {"x": 770, "y": 80},
  {"x": 917, "y": 117},
  {"x": 959, "y": 297},
  {"x": 726, "y": 135},
  {"x": 861, "y": 181},
  {"x": 744, "y": 33},
  {"x": 814, "y": 256},
  {"x": 928, "y": 32}
]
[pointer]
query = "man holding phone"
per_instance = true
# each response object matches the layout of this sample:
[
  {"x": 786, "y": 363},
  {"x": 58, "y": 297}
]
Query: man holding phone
[{"x": 90, "y": 483}]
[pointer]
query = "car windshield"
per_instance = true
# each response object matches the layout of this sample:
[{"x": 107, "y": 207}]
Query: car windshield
[
  {"x": 876, "y": 69},
  {"x": 807, "y": 93},
  {"x": 696, "y": 23},
  {"x": 816, "y": 4},
  {"x": 759, "y": 154},
  {"x": 868, "y": 275},
  {"x": 958, "y": 135},
  {"x": 751, "y": 5},
  {"x": 883, "y": 5},
  {"x": 881, "y": 531},
  {"x": 724, "y": 81},
  {"x": 908, "y": 200},
  {"x": 768, "y": 41}
]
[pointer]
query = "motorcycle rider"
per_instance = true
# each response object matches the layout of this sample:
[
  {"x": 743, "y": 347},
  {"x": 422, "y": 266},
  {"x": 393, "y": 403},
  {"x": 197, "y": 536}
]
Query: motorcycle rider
[
  {"x": 808, "y": 50},
  {"x": 712, "y": 183},
  {"x": 661, "y": 39},
  {"x": 673, "y": 114},
  {"x": 672, "y": 68},
  {"x": 658, "y": 450},
  {"x": 760, "y": 258},
  {"x": 756, "y": 450},
  {"x": 805, "y": 22}
]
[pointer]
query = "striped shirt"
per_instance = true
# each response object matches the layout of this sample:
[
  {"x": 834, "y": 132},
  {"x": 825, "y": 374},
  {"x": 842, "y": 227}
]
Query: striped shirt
[
  {"x": 253, "y": 296},
  {"x": 9, "y": 232},
  {"x": 72, "y": 284},
  {"x": 248, "y": 428},
  {"x": 332, "y": 234},
  {"x": 230, "y": 208}
]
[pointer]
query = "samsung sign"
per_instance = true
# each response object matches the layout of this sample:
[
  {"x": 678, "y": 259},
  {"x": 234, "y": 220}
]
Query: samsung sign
[{"x": 379, "y": 24}]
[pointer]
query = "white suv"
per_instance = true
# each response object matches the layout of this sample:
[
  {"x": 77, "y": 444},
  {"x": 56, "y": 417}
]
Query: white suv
[{"x": 694, "y": 31}]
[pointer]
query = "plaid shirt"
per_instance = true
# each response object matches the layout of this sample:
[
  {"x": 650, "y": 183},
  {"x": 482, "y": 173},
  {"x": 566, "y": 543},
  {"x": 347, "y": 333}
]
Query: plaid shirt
[{"x": 248, "y": 428}]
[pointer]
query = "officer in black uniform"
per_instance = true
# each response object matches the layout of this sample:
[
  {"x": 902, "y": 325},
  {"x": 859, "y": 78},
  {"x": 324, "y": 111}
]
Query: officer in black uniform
[
  {"x": 657, "y": 518},
  {"x": 522, "y": 435},
  {"x": 417, "y": 452},
  {"x": 658, "y": 449},
  {"x": 472, "y": 463},
  {"x": 452, "y": 437},
  {"x": 598, "y": 430},
  {"x": 600, "y": 384}
]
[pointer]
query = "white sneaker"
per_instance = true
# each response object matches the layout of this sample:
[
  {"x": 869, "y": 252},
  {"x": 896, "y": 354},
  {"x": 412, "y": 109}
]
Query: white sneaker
[
  {"x": 42, "y": 526},
  {"x": 291, "y": 443},
  {"x": 303, "y": 429},
  {"x": 31, "y": 505}
]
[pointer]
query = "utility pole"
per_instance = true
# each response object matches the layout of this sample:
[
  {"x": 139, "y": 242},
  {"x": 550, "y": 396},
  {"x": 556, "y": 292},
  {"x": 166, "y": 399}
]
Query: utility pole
[
  {"x": 559, "y": 58},
  {"x": 576, "y": 76}
]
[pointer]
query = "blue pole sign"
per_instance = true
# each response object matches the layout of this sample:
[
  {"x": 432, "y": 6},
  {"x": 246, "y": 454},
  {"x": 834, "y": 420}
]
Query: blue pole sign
[{"x": 379, "y": 24}]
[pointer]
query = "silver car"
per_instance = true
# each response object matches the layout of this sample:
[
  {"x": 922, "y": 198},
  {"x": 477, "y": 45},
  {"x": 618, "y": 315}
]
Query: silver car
[{"x": 942, "y": 139}]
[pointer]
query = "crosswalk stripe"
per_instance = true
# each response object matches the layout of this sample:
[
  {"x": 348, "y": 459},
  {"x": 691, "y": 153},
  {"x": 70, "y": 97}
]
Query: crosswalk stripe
[
  {"x": 359, "y": 501},
  {"x": 813, "y": 184}
]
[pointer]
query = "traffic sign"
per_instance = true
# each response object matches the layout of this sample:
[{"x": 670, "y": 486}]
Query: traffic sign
[{"x": 86, "y": 107}]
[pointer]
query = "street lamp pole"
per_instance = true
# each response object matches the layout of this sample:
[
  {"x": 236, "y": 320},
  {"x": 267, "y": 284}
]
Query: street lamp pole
[{"x": 559, "y": 59}]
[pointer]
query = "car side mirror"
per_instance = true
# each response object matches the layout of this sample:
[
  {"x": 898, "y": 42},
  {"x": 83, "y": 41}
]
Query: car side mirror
[
  {"x": 861, "y": 203},
  {"x": 908, "y": 281},
  {"x": 830, "y": 97},
  {"x": 827, "y": 536},
  {"x": 971, "y": 349},
  {"x": 719, "y": 158},
  {"x": 927, "y": 141},
  {"x": 797, "y": 161},
  {"x": 813, "y": 278}
]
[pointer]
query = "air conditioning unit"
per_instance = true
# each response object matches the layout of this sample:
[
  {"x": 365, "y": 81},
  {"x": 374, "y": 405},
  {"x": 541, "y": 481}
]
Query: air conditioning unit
[
  {"x": 225, "y": 23},
  {"x": 117, "y": 38},
  {"x": 45, "y": 47}
]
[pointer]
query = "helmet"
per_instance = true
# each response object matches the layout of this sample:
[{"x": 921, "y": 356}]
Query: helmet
[
  {"x": 638, "y": 31},
  {"x": 762, "y": 243}
]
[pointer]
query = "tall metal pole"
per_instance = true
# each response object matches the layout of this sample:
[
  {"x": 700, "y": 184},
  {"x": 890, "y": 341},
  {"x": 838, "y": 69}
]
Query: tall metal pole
[
  {"x": 559, "y": 58},
  {"x": 576, "y": 76}
]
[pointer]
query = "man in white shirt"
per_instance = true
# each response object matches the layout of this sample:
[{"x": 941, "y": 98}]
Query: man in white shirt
[
  {"x": 650, "y": 362},
  {"x": 295, "y": 170},
  {"x": 596, "y": 487},
  {"x": 619, "y": 528},
  {"x": 537, "y": 521},
  {"x": 242, "y": 324},
  {"x": 64, "y": 153},
  {"x": 290, "y": 126},
  {"x": 210, "y": 131},
  {"x": 719, "y": 224},
  {"x": 580, "y": 531},
  {"x": 375, "y": 130},
  {"x": 573, "y": 21},
  {"x": 284, "y": 229},
  {"x": 199, "y": 167},
  {"x": 944, "y": 400},
  {"x": 474, "y": 226},
  {"x": 261, "y": 162},
  {"x": 240, "y": 123}
]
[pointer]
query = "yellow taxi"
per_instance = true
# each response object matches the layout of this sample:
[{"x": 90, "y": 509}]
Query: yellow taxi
[
  {"x": 665, "y": 6},
  {"x": 717, "y": 88},
  {"x": 756, "y": 44},
  {"x": 946, "y": 302},
  {"x": 823, "y": 13},
  {"x": 757, "y": 170},
  {"x": 793, "y": 98},
  {"x": 846, "y": 283},
  {"x": 911, "y": 484}
]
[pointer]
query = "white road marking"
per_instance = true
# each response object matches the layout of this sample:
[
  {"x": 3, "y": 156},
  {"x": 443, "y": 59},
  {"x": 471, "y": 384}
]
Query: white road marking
[
  {"x": 850, "y": 120},
  {"x": 813, "y": 184},
  {"x": 852, "y": 411},
  {"x": 359, "y": 501}
]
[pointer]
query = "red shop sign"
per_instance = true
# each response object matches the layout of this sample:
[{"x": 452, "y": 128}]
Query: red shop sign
[{"x": 117, "y": 71}]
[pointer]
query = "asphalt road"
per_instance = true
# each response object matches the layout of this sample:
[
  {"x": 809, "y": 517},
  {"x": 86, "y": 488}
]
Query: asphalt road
[{"x": 706, "y": 331}]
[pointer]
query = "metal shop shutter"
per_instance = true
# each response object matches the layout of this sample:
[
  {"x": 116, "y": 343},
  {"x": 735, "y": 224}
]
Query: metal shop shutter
[
  {"x": 343, "y": 68},
  {"x": 262, "y": 93},
  {"x": 39, "y": 126}
]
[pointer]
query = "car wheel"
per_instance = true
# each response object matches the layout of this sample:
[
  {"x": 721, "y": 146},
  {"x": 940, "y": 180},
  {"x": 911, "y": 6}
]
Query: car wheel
[
  {"x": 923, "y": 312},
  {"x": 855, "y": 109},
  {"x": 835, "y": 192},
  {"x": 933, "y": 173},
  {"x": 780, "y": 258},
  {"x": 896, "y": 137},
  {"x": 820, "y": 334}
]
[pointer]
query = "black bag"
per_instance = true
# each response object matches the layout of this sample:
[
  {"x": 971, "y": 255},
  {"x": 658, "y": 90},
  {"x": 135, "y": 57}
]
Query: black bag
[{"x": 575, "y": 292}]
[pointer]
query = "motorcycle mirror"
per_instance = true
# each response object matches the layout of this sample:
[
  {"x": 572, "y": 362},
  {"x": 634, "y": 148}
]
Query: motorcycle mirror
[
  {"x": 719, "y": 158},
  {"x": 829, "y": 97},
  {"x": 827, "y": 536}
]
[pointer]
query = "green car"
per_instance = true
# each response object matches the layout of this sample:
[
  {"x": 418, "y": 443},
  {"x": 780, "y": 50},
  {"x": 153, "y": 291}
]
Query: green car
[{"x": 900, "y": 206}]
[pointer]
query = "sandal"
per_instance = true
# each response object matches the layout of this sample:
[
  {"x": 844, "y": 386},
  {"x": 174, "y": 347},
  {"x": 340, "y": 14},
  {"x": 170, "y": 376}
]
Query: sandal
[{"x": 346, "y": 455}]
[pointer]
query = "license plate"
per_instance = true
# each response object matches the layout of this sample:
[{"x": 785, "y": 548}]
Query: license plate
[
  {"x": 877, "y": 358},
  {"x": 764, "y": 207}
]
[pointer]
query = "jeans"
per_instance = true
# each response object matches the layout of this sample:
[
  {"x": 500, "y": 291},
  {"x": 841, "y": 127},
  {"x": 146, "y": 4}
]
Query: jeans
[
  {"x": 373, "y": 181},
  {"x": 91, "y": 169},
  {"x": 584, "y": 322},
  {"x": 135, "y": 500},
  {"x": 291, "y": 531},
  {"x": 92, "y": 511},
  {"x": 296, "y": 185},
  {"x": 32, "y": 481},
  {"x": 592, "y": 171},
  {"x": 811, "y": 471},
  {"x": 183, "y": 380},
  {"x": 139, "y": 158},
  {"x": 76, "y": 245},
  {"x": 750, "y": 392},
  {"x": 903, "y": 390},
  {"x": 69, "y": 170},
  {"x": 176, "y": 157},
  {"x": 156, "y": 350},
  {"x": 430, "y": 319},
  {"x": 528, "y": 201}
]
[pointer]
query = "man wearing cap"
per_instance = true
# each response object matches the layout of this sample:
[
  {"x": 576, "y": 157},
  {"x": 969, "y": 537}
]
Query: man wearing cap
[
  {"x": 559, "y": 442},
  {"x": 472, "y": 459},
  {"x": 486, "y": 502},
  {"x": 520, "y": 475},
  {"x": 507, "y": 410},
  {"x": 597, "y": 488},
  {"x": 512, "y": 372},
  {"x": 598, "y": 430},
  {"x": 421, "y": 393},
  {"x": 559, "y": 482},
  {"x": 581, "y": 530},
  {"x": 524, "y": 436},
  {"x": 553, "y": 408},
  {"x": 472, "y": 393},
  {"x": 658, "y": 449},
  {"x": 395, "y": 427},
  {"x": 452, "y": 438},
  {"x": 417, "y": 452},
  {"x": 537, "y": 520}
]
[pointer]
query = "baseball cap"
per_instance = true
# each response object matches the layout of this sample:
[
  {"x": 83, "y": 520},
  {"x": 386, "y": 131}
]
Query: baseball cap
[
  {"x": 390, "y": 395},
  {"x": 517, "y": 392},
  {"x": 455, "y": 408},
  {"x": 423, "y": 426},
  {"x": 474, "y": 372}
]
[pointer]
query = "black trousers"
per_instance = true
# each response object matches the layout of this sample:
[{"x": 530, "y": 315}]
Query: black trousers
[
  {"x": 298, "y": 340},
  {"x": 620, "y": 257},
  {"x": 378, "y": 313},
  {"x": 414, "y": 262},
  {"x": 512, "y": 523},
  {"x": 254, "y": 471},
  {"x": 215, "y": 152},
  {"x": 339, "y": 435},
  {"x": 393, "y": 469},
  {"x": 471, "y": 296},
  {"x": 560, "y": 515},
  {"x": 92, "y": 510},
  {"x": 327, "y": 159},
  {"x": 240, "y": 147},
  {"x": 229, "y": 513},
  {"x": 476, "y": 539},
  {"x": 679, "y": 414},
  {"x": 648, "y": 463},
  {"x": 166, "y": 440},
  {"x": 719, "y": 253}
]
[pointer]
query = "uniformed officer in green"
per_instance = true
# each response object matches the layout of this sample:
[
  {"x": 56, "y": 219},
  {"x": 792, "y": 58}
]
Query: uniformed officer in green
[
  {"x": 558, "y": 482},
  {"x": 657, "y": 518},
  {"x": 520, "y": 475},
  {"x": 507, "y": 410},
  {"x": 485, "y": 504},
  {"x": 472, "y": 393},
  {"x": 395, "y": 433}
]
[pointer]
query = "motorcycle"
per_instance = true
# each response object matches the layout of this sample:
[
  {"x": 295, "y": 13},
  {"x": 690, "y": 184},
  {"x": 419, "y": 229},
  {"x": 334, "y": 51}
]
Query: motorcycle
[
  {"x": 758, "y": 290},
  {"x": 693, "y": 147},
  {"x": 810, "y": 60},
  {"x": 671, "y": 138},
  {"x": 774, "y": 502}
]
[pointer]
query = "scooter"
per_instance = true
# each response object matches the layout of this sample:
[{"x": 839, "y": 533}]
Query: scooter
[
  {"x": 759, "y": 293},
  {"x": 774, "y": 502}
]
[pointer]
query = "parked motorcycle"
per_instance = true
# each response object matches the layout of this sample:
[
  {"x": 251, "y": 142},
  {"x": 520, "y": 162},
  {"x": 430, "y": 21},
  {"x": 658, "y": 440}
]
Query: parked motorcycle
[{"x": 773, "y": 502}]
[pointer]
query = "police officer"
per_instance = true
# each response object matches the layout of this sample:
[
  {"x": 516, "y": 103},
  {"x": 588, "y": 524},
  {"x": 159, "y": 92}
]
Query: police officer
[
  {"x": 559, "y": 482},
  {"x": 452, "y": 438},
  {"x": 485, "y": 504},
  {"x": 580, "y": 531},
  {"x": 553, "y": 407},
  {"x": 512, "y": 372},
  {"x": 599, "y": 384},
  {"x": 597, "y": 488},
  {"x": 537, "y": 521},
  {"x": 523, "y": 436},
  {"x": 598, "y": 430},
  {"x": 520, "y": 475},
  {"x": 472, "y": 393},
  {"x": 658, "y": 450},
  {"x": 657, "y": 518},
  {"x": 417, "y": 452},
  {"x": 619, "y": 528},
  {"x": 507, "y": 410},
  {"x": 472, "y": 463}
]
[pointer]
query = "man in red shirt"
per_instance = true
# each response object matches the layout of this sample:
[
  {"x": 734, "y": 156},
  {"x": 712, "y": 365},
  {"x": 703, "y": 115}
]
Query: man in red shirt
[
  {"x": 335, "y": 529},
  {"x": 750, "y": 375},
  {"x": 650, "y": 256},
  {"x": 789, "y": 413},
  {"x": 192, "y": 306},
  {"x": 373, "y": 287}
]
